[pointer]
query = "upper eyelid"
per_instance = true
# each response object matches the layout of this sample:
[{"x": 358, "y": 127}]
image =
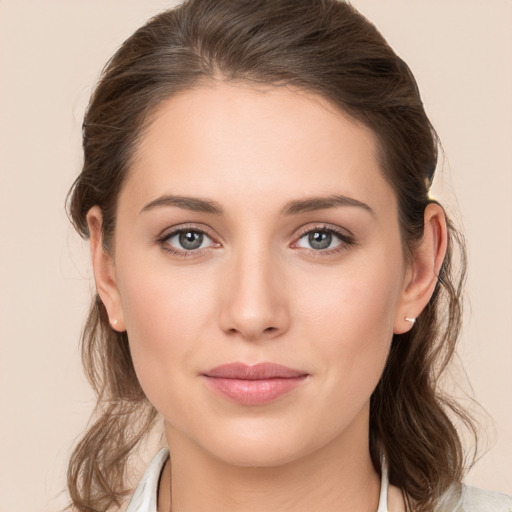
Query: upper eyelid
[
  {"x": 323, "y": 226},
  {"x": 173, "y": 230}
]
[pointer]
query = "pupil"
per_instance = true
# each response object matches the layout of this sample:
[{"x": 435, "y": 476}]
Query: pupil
[
  {"x": 191, "y": 240},
  {"x": 320, "y": 239}
]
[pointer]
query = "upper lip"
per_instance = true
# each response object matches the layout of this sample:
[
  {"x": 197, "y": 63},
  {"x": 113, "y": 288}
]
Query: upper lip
[{"x": 258, "y": 371}]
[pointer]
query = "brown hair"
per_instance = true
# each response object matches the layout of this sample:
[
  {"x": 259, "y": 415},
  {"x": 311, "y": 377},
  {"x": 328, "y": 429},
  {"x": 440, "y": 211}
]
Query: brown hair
[{"x": 325, "y": 47}]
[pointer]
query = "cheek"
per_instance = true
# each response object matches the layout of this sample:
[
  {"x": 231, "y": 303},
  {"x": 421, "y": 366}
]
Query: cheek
[
  {"x": 348, "y": 318},
  {"x": 351, "y": 300},
  {"x": 166, "y": 315},
  {"x": 162, "y": 300}
]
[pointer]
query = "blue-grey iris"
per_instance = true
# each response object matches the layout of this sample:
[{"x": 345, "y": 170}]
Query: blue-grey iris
[
  {"x": 190, "y": 240},
  {"x": 320, "y": 239}
]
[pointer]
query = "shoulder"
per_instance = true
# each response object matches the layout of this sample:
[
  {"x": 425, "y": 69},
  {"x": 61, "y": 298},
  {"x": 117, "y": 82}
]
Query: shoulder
[
  {"x": 464, "y": 498},
  {"x": 474, "y": 499}
]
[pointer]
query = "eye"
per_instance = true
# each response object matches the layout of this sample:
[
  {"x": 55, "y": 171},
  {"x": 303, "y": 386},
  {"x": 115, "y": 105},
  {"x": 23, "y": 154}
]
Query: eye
[
  {"x": 184, "y": 240},
  {"x": 323, "y": 239}
]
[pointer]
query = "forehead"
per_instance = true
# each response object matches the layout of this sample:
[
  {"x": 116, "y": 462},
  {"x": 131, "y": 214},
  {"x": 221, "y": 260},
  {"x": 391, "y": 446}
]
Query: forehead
[{"x": 236, "y": 141}]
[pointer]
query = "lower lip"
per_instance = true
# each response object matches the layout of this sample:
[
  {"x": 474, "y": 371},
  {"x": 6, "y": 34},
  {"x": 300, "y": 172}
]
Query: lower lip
[{"x": 254, "y": 392}]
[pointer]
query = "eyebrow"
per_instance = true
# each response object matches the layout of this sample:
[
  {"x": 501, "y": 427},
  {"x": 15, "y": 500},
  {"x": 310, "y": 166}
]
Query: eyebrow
[
  {"x": 319, "y": 203},
  {"x": 194, "y": 204},
  {"x": 295, "y": 207}
]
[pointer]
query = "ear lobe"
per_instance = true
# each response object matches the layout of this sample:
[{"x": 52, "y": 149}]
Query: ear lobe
[
  {"x": 104, "y": 271},
  {"x": 421, "y": 277}
]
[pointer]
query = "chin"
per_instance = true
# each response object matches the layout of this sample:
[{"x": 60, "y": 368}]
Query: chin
[
  {"x": 265, "y": 454},
  {"x": 263, "y": 443}
]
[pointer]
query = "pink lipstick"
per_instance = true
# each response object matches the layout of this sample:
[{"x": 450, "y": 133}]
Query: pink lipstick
[{"x": 253, "y": 385}]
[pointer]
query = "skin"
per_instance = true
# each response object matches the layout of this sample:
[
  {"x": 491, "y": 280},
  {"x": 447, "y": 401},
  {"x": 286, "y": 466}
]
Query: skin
[{"x": 257, "y": 290}]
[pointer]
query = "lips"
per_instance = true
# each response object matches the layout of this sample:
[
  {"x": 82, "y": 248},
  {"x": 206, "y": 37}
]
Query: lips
[{"x": 253, "y": 385}]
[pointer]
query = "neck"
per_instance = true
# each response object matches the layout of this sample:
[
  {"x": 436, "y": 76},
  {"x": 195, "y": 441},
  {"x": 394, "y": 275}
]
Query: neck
[{"x": 338, "y": 478}]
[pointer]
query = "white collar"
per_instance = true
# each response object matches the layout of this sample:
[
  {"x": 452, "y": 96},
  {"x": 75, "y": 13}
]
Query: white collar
[{"x": 145, "y": 496}]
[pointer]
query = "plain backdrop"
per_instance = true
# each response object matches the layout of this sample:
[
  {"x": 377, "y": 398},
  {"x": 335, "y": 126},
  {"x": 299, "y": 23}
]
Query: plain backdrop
[{"x": 51, "y": 53}]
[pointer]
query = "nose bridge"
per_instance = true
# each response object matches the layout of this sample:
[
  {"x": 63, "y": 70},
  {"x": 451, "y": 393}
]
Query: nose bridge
[{"x": 255, "y": 302}]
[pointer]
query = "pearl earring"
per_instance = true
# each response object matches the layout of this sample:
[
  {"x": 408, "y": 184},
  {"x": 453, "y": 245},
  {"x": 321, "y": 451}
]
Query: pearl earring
[
  {"x": 412, "y": 320},
  {"x": 114, "y": 322}
]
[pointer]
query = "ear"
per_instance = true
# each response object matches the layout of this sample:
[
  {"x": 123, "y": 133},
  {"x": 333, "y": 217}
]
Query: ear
[
  {"x": 104, "y": 271},
  {"x": 423, "y": 269}
]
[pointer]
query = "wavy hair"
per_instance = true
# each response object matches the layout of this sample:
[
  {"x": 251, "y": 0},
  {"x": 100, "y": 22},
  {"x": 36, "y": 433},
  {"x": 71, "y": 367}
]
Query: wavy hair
[{"x": 327, "y": 48}]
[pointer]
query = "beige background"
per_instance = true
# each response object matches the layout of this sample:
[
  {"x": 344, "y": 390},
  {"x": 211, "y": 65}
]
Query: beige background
[{"x": 50, "y": 55}]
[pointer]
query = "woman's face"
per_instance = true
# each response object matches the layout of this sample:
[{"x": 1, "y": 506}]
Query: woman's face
[{"x": 256, "y": 227}]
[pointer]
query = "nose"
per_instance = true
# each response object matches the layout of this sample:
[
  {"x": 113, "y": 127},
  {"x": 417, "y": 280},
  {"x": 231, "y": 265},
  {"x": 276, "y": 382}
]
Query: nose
[{"x": 254, "y": 303}]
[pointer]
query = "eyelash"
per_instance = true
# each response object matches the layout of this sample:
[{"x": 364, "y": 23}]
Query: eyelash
[
  {"x": 346, "y": 241},
  {"x": 163, "y": 240}
]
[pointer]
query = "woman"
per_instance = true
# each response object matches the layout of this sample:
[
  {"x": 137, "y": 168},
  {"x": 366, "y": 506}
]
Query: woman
[{"x": 272, "y": 275}]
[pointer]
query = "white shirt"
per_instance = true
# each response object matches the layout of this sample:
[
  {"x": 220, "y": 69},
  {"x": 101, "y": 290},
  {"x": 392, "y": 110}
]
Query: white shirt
[{"x": 472, "y": 499}]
